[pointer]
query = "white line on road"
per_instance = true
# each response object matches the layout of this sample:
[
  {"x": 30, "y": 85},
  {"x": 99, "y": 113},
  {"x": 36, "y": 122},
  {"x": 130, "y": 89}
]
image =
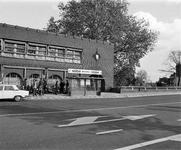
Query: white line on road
[
  {"x": 172, "y": 138},
  {"x": 91, "y": 120},
  {"x": 179, "y": 120},
  {"x": 68, "y": 111},
  {"x": 111, "y": 131}
]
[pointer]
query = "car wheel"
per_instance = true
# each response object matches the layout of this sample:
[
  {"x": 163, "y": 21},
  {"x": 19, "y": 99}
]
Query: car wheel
[{"x": 17, "y": 98}]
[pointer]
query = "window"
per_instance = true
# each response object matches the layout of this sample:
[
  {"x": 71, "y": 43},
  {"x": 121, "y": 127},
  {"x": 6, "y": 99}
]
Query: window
[
  {"x": 31, "y": 49},
  {"x": 52, "y": 52},
  {"x": 73, "y": 56},
  {"x": 60, "y": 52},
  {"x": 9, "y": 47},
  {"x": 56, "y": 51},
  {"x": 42, "y": 50},
  {"x": 14, "y": 46},
  {"x": 77, "y": 57},
  {"x": 69, "y": 54},
  {"x": 34, "y": 76},
  {"x": 1, "y": 88},
  {"x": 20, "y": 48},
  {"x": 9, "y": 88}
]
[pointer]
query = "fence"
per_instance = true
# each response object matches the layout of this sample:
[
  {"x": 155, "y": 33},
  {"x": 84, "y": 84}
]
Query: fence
[{"x": 125, "y": 89}]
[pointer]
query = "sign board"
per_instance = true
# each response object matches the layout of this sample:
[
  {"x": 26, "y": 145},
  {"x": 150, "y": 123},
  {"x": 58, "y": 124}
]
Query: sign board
[{"x": 83, "y": 71}]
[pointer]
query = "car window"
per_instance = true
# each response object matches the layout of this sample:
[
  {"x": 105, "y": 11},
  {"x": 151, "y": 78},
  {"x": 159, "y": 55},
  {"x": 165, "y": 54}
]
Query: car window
[
  {"x": 9, "y": 88},
  {"x": 1, "y": 88},
  {"x": 16, "y": 88}
]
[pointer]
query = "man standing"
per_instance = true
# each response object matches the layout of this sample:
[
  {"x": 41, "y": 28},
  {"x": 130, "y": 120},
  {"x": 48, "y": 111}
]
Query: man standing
[
  {"x": 56, "y": 87},
  {"x": 62, "y": 84},
  {"x": 35, "y": 87}
]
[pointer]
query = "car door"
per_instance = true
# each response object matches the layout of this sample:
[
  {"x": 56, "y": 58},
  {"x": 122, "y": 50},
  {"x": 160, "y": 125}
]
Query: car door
[
  {"x": 1, "y": 91},
  {"x": 9, "y": 91}
]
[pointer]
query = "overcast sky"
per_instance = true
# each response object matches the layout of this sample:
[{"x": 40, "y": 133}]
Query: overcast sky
[{"x": 164, "y": 16}]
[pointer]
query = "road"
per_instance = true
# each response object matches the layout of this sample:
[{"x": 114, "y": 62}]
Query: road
[{"x": 92, "y": 124}]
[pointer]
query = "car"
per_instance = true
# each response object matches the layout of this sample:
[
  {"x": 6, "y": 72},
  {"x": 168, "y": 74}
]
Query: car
[{"x": 9, "y": 91}]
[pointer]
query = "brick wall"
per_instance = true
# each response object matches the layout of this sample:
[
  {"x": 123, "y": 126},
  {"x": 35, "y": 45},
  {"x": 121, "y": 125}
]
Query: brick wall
[{"x": 89, "y": 48}]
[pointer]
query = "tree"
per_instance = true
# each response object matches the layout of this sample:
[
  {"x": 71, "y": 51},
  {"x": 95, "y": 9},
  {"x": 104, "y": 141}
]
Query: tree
[
  {"x": 141, "y": 77},
  {"x": 163, "y": 81},
  {"x": 173, "y": 63},
  {"x": 108, "y": 20}
]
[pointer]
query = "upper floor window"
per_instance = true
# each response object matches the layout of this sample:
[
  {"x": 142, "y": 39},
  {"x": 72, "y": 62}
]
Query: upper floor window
[
  {"x": 9, "y": 47},
  {"x": 52, "y": 52},
  {"x": 41, "y": 50},
  {"x": 13, "y": 46},
  {"x": 56, "y": 51},
  {"x": 73, "y": 56},
  {"x": 31, "y": 49},
  {"x": 20, "y": 48}
]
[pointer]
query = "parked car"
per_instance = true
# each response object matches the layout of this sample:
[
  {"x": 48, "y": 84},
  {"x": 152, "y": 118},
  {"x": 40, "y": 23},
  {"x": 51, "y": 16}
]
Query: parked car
[{"x": 8, "y": 91}]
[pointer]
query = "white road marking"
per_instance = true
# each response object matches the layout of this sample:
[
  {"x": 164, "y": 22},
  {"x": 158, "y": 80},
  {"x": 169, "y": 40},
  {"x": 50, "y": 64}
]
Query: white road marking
[
  {"x": 138, "y": 117},
  {"x": 111, "y": 131},
  {"x": 179, "y": 120},
  {"x": 96, "y": 109},
  {"x": 172, "y": 138},
  {"x": 90, "y": 120}
]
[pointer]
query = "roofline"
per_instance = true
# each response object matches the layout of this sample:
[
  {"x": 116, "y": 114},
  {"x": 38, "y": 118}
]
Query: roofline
[{"x": 57, "y": 34}]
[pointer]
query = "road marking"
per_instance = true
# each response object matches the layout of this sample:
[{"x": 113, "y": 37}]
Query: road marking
[
  {"x": 67, "y": 111},
  {"x": 138, "y": 117},
  {"x": 179, "y": 120},
  {"x": 91, "y": 120},
  {"x": 111, "y": 131},
  {"x": 172, "y": 138}
]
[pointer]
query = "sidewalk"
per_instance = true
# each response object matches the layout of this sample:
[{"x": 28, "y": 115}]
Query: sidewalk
[{"x": 103, "y": 95}]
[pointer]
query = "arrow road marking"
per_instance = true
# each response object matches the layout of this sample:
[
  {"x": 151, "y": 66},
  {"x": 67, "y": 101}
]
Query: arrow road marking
[
  {"x": 138, "y": 117},
  {"x": 91, "y": 120}
]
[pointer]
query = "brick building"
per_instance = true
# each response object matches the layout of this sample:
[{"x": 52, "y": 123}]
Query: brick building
[{"x": 27, "y": 53}]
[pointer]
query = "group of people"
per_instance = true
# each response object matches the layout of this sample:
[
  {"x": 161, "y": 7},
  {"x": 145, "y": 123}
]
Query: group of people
[
  {"x": 40, "y": 87},
  {"x": 61, "y": 87},
  {"x": 37, "y": 87}
]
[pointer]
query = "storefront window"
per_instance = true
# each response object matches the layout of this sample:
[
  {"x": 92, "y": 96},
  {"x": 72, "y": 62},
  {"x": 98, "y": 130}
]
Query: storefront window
[
  {"x": 13, "y": 78},
  {"x": 52, "y": 80}
]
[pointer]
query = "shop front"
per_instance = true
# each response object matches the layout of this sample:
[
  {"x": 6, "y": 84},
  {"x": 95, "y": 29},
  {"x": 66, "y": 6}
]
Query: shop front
[{"x": 85, "y": 83}]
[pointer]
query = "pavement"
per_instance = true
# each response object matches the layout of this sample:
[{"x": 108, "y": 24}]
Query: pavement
[{"x": 103, "y": 95}]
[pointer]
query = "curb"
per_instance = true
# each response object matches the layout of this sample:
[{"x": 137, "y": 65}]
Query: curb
[{"x": 128, "y": 95}]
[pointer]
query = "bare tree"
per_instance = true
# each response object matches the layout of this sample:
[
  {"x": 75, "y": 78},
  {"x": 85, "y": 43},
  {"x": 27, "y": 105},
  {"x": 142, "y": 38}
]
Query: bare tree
[
  {"x": 141, "y": 77},
  {"x": 173, "y": 63}
]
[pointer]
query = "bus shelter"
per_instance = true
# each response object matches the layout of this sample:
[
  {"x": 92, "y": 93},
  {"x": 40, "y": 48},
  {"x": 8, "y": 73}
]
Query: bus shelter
[{"x": 84, "y": 86}]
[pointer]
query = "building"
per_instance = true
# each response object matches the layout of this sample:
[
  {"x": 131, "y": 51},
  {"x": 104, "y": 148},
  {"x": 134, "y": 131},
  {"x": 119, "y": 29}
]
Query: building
[{"x": 27, "y": 53}]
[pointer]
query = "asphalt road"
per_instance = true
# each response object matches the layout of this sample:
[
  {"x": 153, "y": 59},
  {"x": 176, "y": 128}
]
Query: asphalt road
[{"x": 92, "y": 124}]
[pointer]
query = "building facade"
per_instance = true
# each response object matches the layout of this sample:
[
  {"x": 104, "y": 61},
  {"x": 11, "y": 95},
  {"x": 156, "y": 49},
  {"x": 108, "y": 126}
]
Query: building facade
[{"x": 27, "y": 53}]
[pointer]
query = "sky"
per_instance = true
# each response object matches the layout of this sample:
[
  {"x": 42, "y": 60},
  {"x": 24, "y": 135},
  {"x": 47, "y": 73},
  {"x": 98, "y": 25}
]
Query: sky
[{"x": 164, "y": 16}]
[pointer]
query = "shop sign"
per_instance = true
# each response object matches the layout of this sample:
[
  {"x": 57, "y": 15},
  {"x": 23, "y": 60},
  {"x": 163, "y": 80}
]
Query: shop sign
[{"x": 83, "y": 71}]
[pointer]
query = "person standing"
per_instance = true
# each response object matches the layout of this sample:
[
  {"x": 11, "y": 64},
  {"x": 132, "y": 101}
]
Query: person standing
[
  {"x": 62, "y": 84},
  {"x": 56, "y": 88},
  {"x": 35, "y": 87},
  {"x": 41, "y": 90},
  {"x": 67, "y": 87}
]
